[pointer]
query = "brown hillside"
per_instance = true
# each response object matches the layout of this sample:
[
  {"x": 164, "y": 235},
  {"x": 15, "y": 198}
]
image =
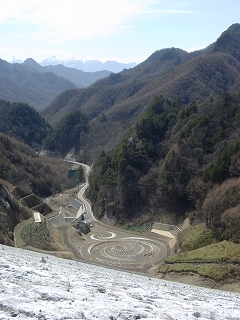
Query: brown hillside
[
  {"x": 21, "y": 166},
  {"x": 22, "y": 82},
  {"x": 117, "y": 88},
  {"x": 117, "y": 102}
]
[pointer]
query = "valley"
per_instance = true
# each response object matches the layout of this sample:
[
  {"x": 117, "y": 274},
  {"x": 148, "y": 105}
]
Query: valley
[
  {"x": 102, "y": 244},
  {"x": 162, "y": 141},
  {"x": 105, "y": 244}
]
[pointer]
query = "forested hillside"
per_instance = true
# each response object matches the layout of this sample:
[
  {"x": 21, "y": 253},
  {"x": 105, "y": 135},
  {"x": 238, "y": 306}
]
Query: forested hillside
[
  {"x": 22, "y": 167},
  {"x": 25, "y": 177},
  {"x": 21, "y": 128},
  {"x": 67, "y": 134},
  {"x": 22, "y": 122},
  {"x": 115, "y": 103},
  {"x": 178, "y": 159},
  {"x": 80, "y": 78}
]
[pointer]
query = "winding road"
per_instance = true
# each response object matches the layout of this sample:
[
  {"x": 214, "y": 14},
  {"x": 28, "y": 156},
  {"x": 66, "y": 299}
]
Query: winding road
[
  {"x": 116, "y": 247},
  {"x": 89, "y": 214}
]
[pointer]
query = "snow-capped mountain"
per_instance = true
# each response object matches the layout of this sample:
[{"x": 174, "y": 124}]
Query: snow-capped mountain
[
  {"x": 39, "y": 286},
  {"x": 88, "y": 65}
]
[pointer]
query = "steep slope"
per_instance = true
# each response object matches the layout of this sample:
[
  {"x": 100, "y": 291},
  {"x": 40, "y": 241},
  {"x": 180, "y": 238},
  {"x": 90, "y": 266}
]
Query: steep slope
[
  {"x": 21, "y": 166},
  {"x": 199, "y": 79},
  {"x": 119, "y": 88},
  {"x": 228, "y": 42},
  {"x": 18, "y": 226},
  {"x": 22, "y": 122},
  {"x": 11, "y": 213},
  {"x": 17, "y": 206},
  {"x": 80, "y": 78},
  {"x": 67, "y": 134},
  {"x": 173, "y": 73},
  {"x": 121, "y": 98},
  {"x": 196, "y": 80},
  {"x": 176, "y": 159},
  {"x": 40, "y": 286},
  {"x": 25, "y": 83}
]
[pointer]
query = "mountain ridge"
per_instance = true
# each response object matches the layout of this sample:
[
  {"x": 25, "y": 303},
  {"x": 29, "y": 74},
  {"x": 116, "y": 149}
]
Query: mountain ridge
[
  {"x": 31, "y": 83},
  {"x": 156, "y": 157},
  {"x": 23, "y": 82},
  {"x": 173, "y": 73},
  {"x": 88, "y": 65},
  {"x": 80, "y": 78}
]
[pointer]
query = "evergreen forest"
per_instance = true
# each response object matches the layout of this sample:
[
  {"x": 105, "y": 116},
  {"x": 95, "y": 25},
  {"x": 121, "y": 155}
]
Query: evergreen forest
[{"x": 177, "y": 160}]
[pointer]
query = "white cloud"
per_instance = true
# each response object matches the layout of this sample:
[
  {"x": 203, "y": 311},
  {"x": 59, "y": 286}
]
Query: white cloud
[
  {"x": 61, "y": 20},
  {"x": 36, "y": 27},
  {"x": 73, "y": 19}
]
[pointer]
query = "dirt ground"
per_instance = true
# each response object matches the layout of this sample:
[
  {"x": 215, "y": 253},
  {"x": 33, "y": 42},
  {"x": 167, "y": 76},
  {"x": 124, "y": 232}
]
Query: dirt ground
[
  {"x": 62, "y": 199},
  {"x": 122, "y": 249},
  {"x": 152, "y": 268},
  {"x": 196, "y": 280}
]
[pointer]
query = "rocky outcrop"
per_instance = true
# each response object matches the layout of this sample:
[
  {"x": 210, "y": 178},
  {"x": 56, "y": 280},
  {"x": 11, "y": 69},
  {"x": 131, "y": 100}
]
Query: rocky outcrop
[
  {"x": 12, "y": 212},
  {"x": 9, "y": 215},
  {"x": 82, "y": 227}
]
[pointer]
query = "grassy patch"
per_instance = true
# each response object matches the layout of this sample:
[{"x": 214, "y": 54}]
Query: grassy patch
[
  {"x": 219, "y": 252},
  {"x": 40, "y": 236},
  {"x": 201, "y": 254},
  {"x": 212, "y": 271},
  {"x": 144, "y": 227},
  {"x": 196, "y": 237}
]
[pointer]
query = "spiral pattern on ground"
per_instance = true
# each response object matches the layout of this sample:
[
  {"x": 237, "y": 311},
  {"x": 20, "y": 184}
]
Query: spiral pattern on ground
[
  {"x": 126, "y": 253},
  {"x": 107, "y": 235}
]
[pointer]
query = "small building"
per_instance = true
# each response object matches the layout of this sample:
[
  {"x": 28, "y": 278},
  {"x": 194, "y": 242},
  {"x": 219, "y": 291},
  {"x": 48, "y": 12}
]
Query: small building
[
  {"x": 37, "y": 216},
  {"x": 166, "y": 230}
]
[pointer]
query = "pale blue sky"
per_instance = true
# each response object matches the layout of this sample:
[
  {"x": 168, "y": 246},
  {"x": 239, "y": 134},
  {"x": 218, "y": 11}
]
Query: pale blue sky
[{"x": 121, "y": 30}]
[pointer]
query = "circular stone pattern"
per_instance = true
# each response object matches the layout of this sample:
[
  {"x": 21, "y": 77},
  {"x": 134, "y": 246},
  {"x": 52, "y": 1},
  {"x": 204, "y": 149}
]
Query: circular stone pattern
[
  {"x": 108, "y": 235},
  {"x": 127, "y": 253}
]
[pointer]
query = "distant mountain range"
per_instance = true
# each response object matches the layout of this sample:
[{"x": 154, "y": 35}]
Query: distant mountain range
[
  {"x": 31, "y": 83},
  {"x": 88, "y": 65},
  {"x": 80, "y": 79},
  {"x": 38, "y": 84},
  {"x": 25, "y": 83}
]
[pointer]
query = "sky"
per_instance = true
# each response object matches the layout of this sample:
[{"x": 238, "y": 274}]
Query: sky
[{"x": 121, "y": 30}]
